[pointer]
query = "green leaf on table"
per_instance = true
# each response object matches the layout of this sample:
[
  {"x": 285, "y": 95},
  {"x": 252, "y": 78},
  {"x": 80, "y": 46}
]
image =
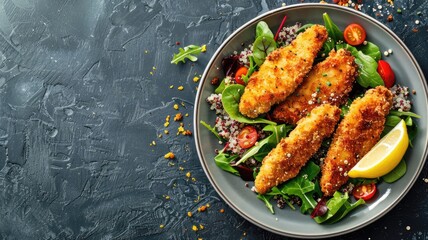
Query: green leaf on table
[
  {"x": 231, "y": 96},
  {"x": 190, "y": 52}
]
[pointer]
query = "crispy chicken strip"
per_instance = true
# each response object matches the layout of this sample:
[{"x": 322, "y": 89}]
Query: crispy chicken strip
[
  {"x": 330, "y": 81},
  {"x": 356, "y": 134},
  {"x": 291, "y": 154},
  {"x": 281, "y": 73}
]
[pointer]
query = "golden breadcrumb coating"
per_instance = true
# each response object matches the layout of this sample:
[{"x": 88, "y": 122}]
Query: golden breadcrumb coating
[
  {"x": 291, "y": 154},
  {"x": 356, "y": 134},
  {"x": 281, "y": 73},
  {"x": 330, "y": 81}
]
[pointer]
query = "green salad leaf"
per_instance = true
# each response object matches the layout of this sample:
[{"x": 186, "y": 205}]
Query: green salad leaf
[
  {"x": 338, "y": 207},
  {"x": 223, "y": 160},
  {"x": 371, "y": 50},
  {"x": 333, "y": 30},
  {"x": 303, "y": 187},
  {"x": 264, "y": 43},
  {"x": 230, "y": 99},
  {"x": 266, "y": 200},
  {"x": 211, "y": 129},
  {"x": 190, "y": 52},
  {"x": 367, "y": 67},
  {"x": 396, "y": 173},
  {"x": 277, "y": 133}
]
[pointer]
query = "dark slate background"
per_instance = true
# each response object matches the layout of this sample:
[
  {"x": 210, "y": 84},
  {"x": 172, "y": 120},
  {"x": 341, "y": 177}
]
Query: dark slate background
[{"x": 85, "y": 87}]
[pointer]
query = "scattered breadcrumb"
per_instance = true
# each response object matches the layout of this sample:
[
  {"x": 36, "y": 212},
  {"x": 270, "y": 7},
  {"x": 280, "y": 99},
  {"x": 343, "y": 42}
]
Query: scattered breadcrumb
[
  {"x": 169, "y": 155},
  {"x": 180, "y": 88},
  {"x": 189, "y": 214},
  {"x": 195, "y": 228},
  {"x": 161, "y": 226},
  {"x": 204, "y": 48},
  {"x": 176, "y": 106},
  {"x": 196, "y": 79},
  {"x": 178, "y": 117},
  {"x": 221, "y": 210}
]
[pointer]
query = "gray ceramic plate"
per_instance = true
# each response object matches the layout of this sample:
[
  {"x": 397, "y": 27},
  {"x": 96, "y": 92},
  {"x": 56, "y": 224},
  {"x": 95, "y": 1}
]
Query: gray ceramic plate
[{"x": 285, "y": 221}]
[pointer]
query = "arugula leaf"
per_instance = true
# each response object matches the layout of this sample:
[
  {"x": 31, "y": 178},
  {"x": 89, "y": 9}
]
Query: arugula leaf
[
  {"x": 303, "y": 187},
  {"x": 211, "y": 129},
  {"x": 223, "y": 160},
  {"x": 266, "y": 200},
  {"x": 396, "y": 173},
  {"x": 188, "y": 52},
  {"x": 278, "y": 132},
  {"x": 230, "y": 99}
]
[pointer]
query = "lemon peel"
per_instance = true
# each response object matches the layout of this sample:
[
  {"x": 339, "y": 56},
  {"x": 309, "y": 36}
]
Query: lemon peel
[{"x": 384, "y": 156}]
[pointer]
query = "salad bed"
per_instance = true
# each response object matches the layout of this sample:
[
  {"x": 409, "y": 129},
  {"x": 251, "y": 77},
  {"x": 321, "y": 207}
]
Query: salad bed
[{"x": 242, "y": 153}]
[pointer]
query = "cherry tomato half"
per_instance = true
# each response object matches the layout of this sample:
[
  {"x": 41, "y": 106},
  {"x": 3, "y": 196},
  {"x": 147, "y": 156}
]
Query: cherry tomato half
[
  {"x": 238, "y": 76},
  {"x": 364, "y": 191},
  {"x": 386, "y": 73},
  {"x": 354, "y": 34},
  {"x": 247, "y": 137}
]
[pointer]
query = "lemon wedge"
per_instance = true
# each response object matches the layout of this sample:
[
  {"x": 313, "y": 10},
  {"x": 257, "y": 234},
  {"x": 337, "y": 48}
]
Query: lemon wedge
[{"x": 384, "y": 156}]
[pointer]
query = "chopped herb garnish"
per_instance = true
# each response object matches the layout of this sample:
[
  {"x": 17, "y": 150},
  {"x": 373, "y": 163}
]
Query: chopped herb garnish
[{"x": 328, "y": 83}]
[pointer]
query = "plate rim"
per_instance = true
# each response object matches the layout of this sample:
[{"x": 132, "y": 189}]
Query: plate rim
[{"x": 198, "y": 100}]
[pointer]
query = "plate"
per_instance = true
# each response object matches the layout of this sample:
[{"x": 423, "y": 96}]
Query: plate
[{"x": 286, "y": 221}]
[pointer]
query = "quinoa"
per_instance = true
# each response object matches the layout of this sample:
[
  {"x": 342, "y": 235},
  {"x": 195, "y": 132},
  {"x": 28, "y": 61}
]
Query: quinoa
[
  {"x": 288, "y": 34},
  {"x": 400, "y": 98},
  {"x": 226, "y": 127}
]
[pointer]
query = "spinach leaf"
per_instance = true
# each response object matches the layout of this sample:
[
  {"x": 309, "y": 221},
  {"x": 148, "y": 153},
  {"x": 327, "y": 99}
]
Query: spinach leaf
[
  {"x": 223, "y": 160},
  {"x": 371, "y": 50},
  {"x": 396, "y": 173},
  {"x": 222, "y": 86},
  {"x": 277, "y": 133},
  {"x": 367, "y": 67},
  {"x": 190, "y": 52},
  {"x": 303, "y": 187},
  {"x": 262, "y": 46},
  {"x": 266, "y": 200},
  {"x": 333, "y": 31},
  {"x": 344, "y": 210},
  {"x": 338, "y": 206},
  {"x": 230, "y": 99},
  {"x": 392, "y": 120},
  {"x": 211, "y": 129},
  {"x": 262, "y": 29}
]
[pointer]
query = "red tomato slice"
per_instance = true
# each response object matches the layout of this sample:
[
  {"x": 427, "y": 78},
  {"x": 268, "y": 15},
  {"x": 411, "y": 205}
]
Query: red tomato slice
[
  {"x": 247, "y": 137},
  {"x": 354, "y": 34},
  {"x": 238, "y": 76},
  {"x": 386, "y": 73},
  {"x": 365, "y": 191}
]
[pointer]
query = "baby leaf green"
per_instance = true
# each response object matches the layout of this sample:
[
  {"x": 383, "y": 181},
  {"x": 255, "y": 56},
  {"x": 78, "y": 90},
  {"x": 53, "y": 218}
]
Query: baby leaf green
[{"x": 230, "y": 98}]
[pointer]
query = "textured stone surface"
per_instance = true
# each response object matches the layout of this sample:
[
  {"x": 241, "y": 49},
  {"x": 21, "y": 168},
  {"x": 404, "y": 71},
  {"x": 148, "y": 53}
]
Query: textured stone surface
[{"x": 84, "y": 92}]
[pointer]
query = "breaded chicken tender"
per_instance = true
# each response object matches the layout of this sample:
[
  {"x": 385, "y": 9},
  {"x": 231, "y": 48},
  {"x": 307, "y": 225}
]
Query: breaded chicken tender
[
  {"x": 281, "y": 73},
  {"x": 291, "y": 154},
  {"x": 330, "y": 81},
  {"x": 356, "y": 134}
]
